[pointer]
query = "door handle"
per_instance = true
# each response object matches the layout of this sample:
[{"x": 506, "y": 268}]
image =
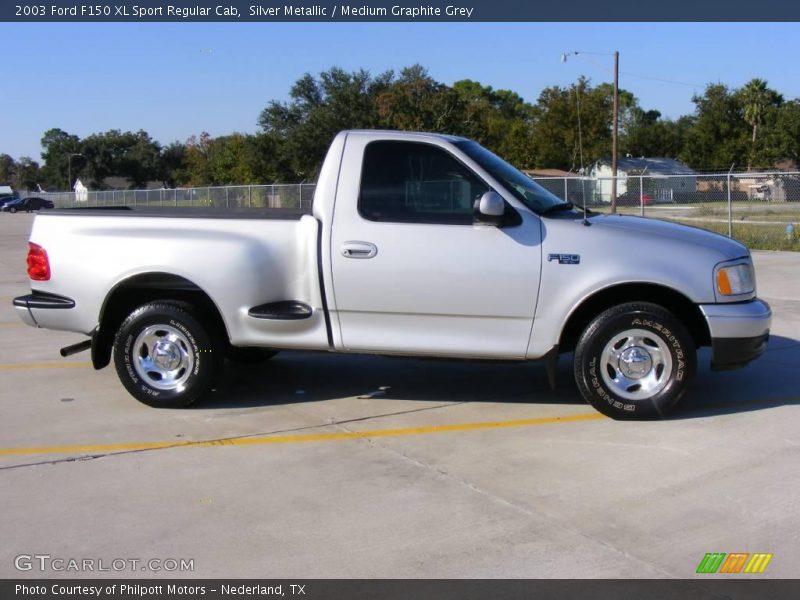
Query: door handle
[{"x": 359, "y": 250}]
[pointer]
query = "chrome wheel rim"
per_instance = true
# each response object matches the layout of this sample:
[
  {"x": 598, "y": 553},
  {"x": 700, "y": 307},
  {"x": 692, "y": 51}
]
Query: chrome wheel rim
[
  {"x": 163, "y": 357},
  {"x": 636, "y": 364}
]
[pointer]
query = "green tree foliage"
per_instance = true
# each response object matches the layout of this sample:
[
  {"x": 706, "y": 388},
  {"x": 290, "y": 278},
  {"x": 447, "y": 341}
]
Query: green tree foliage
[
  {"x": 758, "y": 101},
  {"x": 567, "y": 128},
  {"x": 133, "y": 156},
  {"x": 319, "y": 108},
  {"x": 7, "y": 164},
  {"x": 57, "y": 145},
  {"x": 26, "y": 174},
  {"x": 416, "y": 102},
  {"x": 718, "y": 136},
  {"x": 575, "y": 122},
  {"x": 22, "y": 174}
]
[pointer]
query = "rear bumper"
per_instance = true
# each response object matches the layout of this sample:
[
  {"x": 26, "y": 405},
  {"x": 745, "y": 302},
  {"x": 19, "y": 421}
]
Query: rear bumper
[
  {"x": 739, "y": 332},
  {"x": 29, "y": 305}
]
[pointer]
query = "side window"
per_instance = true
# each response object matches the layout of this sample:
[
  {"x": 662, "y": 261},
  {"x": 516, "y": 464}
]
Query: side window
[{"x": 411, "y": 182}]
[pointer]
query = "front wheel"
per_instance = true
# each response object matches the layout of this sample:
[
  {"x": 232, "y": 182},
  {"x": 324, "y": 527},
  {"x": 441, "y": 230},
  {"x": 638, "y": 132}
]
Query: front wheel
[
  {"x": 12, "y": 210},
  {"x": 634, "y": 360},
  {"x": 164, "y": 356}
]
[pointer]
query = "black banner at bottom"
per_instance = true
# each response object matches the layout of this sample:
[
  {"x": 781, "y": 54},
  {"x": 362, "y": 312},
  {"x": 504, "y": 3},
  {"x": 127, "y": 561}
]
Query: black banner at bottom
[{"x": 388, "y": 589}]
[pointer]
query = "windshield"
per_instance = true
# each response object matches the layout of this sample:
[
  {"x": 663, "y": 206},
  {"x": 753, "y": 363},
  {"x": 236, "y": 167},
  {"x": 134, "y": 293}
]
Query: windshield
[{"x": 525, "y": 189}]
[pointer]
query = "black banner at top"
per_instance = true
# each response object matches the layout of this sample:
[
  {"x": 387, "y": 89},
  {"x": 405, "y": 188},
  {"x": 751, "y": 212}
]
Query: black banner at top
[{"x": 233, "y": 11}]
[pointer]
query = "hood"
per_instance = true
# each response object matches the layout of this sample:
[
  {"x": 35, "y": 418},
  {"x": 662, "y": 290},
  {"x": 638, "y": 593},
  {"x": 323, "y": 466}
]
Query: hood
[{"x": 683, "y": 234}]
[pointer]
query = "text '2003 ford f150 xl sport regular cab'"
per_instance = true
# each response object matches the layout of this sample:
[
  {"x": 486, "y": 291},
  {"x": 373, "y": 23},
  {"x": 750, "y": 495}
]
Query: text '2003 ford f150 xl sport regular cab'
[{"x": 417, "y": 245}]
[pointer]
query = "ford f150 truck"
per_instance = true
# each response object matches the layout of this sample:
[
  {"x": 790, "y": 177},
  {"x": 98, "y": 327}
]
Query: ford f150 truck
[{"x": 418, "y": 245}]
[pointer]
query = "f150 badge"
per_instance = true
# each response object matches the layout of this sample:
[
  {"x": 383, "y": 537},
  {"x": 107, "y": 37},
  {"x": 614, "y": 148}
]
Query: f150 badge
[{"x": 565, "y": 259}]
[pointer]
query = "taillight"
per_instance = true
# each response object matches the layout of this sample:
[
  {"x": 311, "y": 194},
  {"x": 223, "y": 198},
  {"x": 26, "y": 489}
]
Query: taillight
[{"x": 38, "y": 264}]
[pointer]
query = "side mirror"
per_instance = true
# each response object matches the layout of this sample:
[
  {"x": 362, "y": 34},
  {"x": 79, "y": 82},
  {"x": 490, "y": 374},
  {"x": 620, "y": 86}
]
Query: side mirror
[{"x": 491, "y": 208}]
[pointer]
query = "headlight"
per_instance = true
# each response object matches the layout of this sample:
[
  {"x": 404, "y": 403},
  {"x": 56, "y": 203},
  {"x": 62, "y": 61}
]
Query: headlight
[{"x": 735, "y": 280}]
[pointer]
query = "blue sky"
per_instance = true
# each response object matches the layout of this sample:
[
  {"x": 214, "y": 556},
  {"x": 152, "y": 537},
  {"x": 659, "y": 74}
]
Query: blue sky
[{"x": 161, "y": 77}]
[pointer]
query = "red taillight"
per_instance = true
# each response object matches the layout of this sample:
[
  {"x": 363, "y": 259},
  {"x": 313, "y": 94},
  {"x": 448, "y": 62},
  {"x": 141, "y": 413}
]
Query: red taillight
[{"x": 38, "y": 264}]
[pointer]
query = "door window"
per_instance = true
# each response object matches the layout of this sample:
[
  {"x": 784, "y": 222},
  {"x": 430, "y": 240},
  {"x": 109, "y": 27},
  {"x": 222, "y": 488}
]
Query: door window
[{"x": 410, "y": 182}]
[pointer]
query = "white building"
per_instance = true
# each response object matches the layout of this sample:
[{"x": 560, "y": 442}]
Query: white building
[
  {"x": 81, "y": 191},
  {"x": 665, "y": 179}
]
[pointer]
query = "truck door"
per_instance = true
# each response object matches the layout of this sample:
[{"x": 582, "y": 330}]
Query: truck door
[{"x": 412, "y": 271}]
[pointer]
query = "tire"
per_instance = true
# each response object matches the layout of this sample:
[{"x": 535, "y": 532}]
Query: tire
[
  {"x": 188, "y": 360},
  {"x": 12, "y": 210},
  {"x": 249, "y": 355},
  {"x": 634, "y": 360}
]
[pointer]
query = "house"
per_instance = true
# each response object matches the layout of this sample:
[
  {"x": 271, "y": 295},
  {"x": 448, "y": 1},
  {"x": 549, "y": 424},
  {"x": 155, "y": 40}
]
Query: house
[
  {"x": 665, "y": 179},
  {"x": 81, "y": 191}
]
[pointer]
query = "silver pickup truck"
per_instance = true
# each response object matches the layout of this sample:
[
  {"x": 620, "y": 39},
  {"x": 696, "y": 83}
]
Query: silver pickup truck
[{"x": 418, "y": 245}]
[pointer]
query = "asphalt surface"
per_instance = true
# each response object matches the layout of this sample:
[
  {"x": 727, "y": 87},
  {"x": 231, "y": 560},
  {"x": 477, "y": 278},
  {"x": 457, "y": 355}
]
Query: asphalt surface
[{"x": 317, "y": 465}]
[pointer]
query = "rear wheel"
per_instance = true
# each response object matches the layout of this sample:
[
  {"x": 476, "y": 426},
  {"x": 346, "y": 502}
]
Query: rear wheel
[
  {"x": 634, "y": 360},
  {"x": 164, "y": 356}
]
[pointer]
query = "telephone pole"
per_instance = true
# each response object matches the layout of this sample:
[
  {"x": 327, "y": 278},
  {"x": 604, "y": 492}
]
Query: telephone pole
[{"x": 614, "y": 135}]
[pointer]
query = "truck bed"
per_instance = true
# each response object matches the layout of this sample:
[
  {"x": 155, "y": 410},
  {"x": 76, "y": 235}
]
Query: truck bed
[{"x": 183, "y": 212}]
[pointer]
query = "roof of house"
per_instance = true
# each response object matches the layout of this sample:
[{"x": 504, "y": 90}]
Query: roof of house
[
  {"x": 654, "y": 165},
  {"x": 548, "y": 173}
]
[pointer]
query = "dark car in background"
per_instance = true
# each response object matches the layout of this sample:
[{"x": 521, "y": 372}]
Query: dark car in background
[
  {"x": 26, "y": 204},
  {"x": 5, "y": 199}
]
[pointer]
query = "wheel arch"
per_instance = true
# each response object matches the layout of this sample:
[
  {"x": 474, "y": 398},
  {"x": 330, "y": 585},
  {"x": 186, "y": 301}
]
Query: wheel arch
[
  {"x": 678, "y": 304},
  {"x": 141, "y": 288}
]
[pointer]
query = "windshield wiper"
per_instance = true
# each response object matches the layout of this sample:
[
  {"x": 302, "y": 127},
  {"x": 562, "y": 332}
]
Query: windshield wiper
[{"x": 558, "y": 208}]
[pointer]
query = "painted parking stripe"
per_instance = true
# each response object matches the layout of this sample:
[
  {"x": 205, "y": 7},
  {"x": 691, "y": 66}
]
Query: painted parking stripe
[{"x": 292, "y": 439}]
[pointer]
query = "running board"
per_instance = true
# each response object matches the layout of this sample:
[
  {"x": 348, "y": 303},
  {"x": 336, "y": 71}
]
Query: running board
[{"x": 285, "y": 310}]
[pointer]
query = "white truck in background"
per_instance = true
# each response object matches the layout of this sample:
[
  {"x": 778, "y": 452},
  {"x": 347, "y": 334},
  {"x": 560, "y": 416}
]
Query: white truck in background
[{"x": 419, "y": 245}]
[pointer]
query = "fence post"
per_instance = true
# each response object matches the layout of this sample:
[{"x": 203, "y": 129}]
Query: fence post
[
  {"x": 249, "y": 196},
  {"x": 730, "y": 208},
  {"x": 226, "y": 197},
  {"x": 641, "y": 195},
  {"x": 565, "y": 189}
]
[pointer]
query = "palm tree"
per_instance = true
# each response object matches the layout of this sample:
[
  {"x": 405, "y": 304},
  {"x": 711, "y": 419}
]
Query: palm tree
[{"x": 757, "y": 98}]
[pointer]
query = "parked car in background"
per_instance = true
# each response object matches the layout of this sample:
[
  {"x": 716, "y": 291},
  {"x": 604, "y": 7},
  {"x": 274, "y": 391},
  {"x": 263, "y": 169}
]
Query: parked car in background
[
  {"x": 27, "y": 205},
  {"x": 6, "y": 199},
  {"x": 632, "y": 198}
]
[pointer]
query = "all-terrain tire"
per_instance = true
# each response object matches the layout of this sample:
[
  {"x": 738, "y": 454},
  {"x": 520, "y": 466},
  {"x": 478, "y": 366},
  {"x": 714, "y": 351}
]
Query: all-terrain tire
[
  {"x": 634, "y": 360},
  {"x": 165, "y": 357}
]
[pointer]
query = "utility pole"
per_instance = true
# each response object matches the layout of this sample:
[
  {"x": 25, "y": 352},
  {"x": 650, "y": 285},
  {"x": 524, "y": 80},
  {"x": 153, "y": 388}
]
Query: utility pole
[
  {"x": 615, "y": 130},
  {"x": 69, "y": 169},
  {"x": 614, "y": 135}
]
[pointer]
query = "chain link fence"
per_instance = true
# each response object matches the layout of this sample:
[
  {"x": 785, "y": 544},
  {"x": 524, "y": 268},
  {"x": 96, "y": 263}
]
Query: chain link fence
[
  {"x": 296, "y": 196},
  {"x": 762, "y": 210}
]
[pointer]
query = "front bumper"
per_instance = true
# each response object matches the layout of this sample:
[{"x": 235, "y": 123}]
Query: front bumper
[{"x": 739, "y": 332}]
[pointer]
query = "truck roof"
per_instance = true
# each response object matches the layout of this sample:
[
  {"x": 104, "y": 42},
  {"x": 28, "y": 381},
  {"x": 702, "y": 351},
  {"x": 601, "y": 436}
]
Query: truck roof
[{"x": 416, "y": 135}]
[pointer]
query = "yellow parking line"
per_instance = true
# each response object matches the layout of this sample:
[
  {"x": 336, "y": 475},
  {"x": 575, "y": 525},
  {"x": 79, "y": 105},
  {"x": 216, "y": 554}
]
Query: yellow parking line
[
  {"x": 291, "y": 439},
  {"x": 12, "y": 366}
]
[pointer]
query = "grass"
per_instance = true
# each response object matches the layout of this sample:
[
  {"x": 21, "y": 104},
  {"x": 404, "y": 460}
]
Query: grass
[{"x": 755, "y": 237}]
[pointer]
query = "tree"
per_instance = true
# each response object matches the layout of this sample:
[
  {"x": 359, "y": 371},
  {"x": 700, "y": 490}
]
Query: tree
[
  {"x": 757, "y": 99},
  {"x": 320, "y": 107},
  {"x": 499, "y": 119},
  {"x": 415, "y": 101},
  {"x": 575, "y": 122},
  {"x": 57, "y": 146},
  {"x": 718, "y": 136},
  {"x": 26, "y": 174},
  {"x": 115, "y": 153},
  {"x": 7, "y": 165}
]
